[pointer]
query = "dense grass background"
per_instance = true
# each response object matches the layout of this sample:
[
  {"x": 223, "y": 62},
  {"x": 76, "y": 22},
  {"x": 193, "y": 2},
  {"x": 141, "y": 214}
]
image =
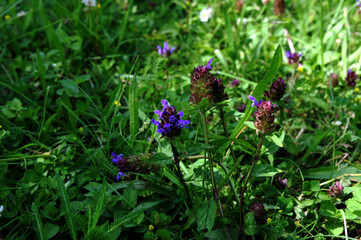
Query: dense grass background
[{"x": 65, "y": 67}]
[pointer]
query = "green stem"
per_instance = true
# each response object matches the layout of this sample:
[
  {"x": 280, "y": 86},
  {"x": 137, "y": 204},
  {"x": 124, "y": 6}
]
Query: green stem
[
  {"x": 254, "y": 161},
  {"x": 210, "y": 162},
  {"x": 179, "y": 173},
  {"x": 221, "y": 112}
]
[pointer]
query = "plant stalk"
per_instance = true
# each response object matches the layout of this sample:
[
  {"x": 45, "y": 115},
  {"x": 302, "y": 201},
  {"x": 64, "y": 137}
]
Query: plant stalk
[
  {"x": 210, "y": 162},
  {"x": 254, "y": 161},
  {"x": 179, "y": 173}
]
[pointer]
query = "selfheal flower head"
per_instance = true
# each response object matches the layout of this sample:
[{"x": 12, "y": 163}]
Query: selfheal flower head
[
  {"x": 204, "y": 85},
  {"x": 335, "y": 190},
  {"x": 334, "y": 79},
  {"x": 170, "y": 124},
  {"x": 351, "y": 78},
  {"x": 293, "y": 58},
  {"x": 135, "y": 164},
  {"x": 277, "y": 90},
  {"x": 258, "y": 209},
  {"x": 235, "y": 82},
  {"x": 265, "y": 117},
  {"x": 165, "y": 51}
]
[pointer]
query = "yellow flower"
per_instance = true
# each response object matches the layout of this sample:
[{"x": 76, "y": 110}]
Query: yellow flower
[
  {"x": 7, "y": 17},
  {"x": 81, "y": 129},
  {"x": 297, "y": 223},
  {"x": 300, "y": 69},
  {"x": 1, "y": 126},
  {"x": 99, "y": 5},
  {"x": 151, "y": 227},
  {"x": 357, "y": 99},
  {"x": 280, "y": 211},
  {"x": 269, "y": 220},
  {"x": 357, "y": 90},
  {"x": 116, "y": 103}
]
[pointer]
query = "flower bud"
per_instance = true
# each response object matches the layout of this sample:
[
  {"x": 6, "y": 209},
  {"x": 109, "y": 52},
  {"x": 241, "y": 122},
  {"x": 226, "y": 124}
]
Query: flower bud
[
  {"x": 335, "y": 190},
  {"x": 258, "y": 209},
  {"x": 264, "y": 116},
  {"x": 279, "y": 6},
  {"x": 277, "y": 90},
  {"x": 351, "y": 78},
  {"x": 136, "y": 164},
  {"x": 334, "y": 79}
]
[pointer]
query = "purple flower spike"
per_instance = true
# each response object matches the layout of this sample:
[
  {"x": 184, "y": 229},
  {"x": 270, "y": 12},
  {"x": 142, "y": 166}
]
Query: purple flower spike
[
  {"x": 170, "y": 124},
  {"x": 351, "y": 78},
  {"x": 335, "y": 190},
  {"x": 209, "y": 67},
  {"x": 293, "y": 58},
  {"x": 165, "y": 51},
  {"x": 254, "y": 100}
]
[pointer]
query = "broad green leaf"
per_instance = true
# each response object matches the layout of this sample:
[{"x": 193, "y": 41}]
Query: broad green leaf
[
  {"x": 250, "y": 225},
  {"x": 328, "y": 209},
  {"x": 354, "y": 206},
  {"x": 315, "y": 185},
  {"x": 286, "y": 204},
  {"x": 260, "y": 88},
  {"x": 159, "y": 158},
  {"x": 265, "y": 170},
  {"x": 329, "y": 172},
  {"x": 50, "y": 230},
  {"x": 334, "y": 228},
  {"x": 357, "y": 193},
  {"x": 207, "y": 215},
  {"x": 130, "y": 196}
]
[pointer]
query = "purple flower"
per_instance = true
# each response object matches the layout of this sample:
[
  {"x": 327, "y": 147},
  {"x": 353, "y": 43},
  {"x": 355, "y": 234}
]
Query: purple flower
[
  {"x": 165, "y": 51},
  {"x": 282, "y": 183},
  {"x": 293, "y": 58},
  {"x": 335, "y": 190},
  {"x": 358, "y": 3},
  {"x": 235, "y": 82},
  {"x": 209, "y": 67},
  {"x": 258, "y": 209},
  {"x": 170, "y": 124},
  {"x": 351, "y": 78},
  {"x": 242, "y": 108},
  {"x": 265, "y": 117},
  {"x": 254, "y": 100}
]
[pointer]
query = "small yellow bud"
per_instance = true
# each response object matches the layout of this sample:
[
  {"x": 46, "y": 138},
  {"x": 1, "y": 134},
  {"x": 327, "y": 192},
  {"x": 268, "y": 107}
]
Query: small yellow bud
[
  {"x": 74, "y": 138},
  {"x": 81, "y": 129},
  {"x": 297, "y": 223},
  {"x": 300, "y": 69},
  {"x": 99, "y": 5},
  {"x": 269, "y": 220},
  {"x": 280, "y": 211},
  {"x": 7, "y": 17},
  {"x": 357, "y": 90},
  {"x": 151, "y": 227},
  {"x": 116, "y": 103}
]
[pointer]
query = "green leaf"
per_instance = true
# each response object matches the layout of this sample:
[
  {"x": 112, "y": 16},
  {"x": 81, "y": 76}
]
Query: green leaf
[
  {"x": 354, "y": 206},
  {"x": 260, "y": 88},
  {"x": 204, "y": 104},
  {"x": 250, "y": 225},
  {"x": 315, "y": 185},
  {"x": 207, "y": 215},
  {"x": 82, "y": 78},
  {"x": 286, "y": 204},
  {"x": 265, "y": 170},
  {"x": 159, "y": 158},
  {"x": 130, "y": 196},
  {"x": 100, "y": 204},
  {"x": 37, "y": 222},
  {"x": 328, "y": 209},
  {"x": 330, "y": 172},
  {"x": 50, "y": 230},
  {"x": 334, "y": 228},
  {"x": 357, "y": 193},
  {"x": 133, "y": 108}
]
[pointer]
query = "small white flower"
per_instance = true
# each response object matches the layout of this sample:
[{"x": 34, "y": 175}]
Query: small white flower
[
  {"x": 337, "y": 123},
  {"x": 206, "y": 14},
  {"x": 21, "y": 14},
  {"x": 1, "y": 209},
  {"x": 89, "y": 3}
]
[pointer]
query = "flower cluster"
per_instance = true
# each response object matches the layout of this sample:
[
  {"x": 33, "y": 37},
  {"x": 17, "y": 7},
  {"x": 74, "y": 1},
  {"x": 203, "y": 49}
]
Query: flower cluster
[
  {"x": 351, "y": 78},
  {"x": 335, "y": 190},
  {"x": 264, "y": 115},
  {"x": 277, "y": 90},
  {"x": 204, "y": 85},
  {"x": 293, "y": 58},
  {"x": 165, "y": 51},
  {"x": 235, "y": 82},
  {"x": 170, "y": 124},
  {"x": 206, "y": 14},
  {"x": 133, "y": 164},
  {"x": 258, "y": 209}
]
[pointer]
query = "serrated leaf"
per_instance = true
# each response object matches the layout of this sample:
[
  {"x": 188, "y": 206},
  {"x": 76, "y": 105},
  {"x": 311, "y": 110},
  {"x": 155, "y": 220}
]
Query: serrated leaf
[
  {"x": 206, "y": 215},
  {"x": 250, "y": 225},
  {"x": 133, "y": 109}
]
